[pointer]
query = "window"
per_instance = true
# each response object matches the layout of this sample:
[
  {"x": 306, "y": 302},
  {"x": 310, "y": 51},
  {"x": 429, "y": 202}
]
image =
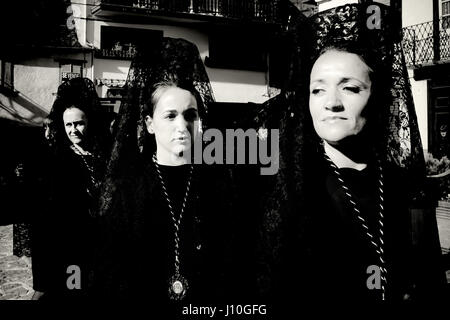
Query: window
[
  {"x": 446, "y": 14},
  {"x": 6, "y": 75},
  {"x": 122, "y": 43},
  {"x": 70, "y": 70}
]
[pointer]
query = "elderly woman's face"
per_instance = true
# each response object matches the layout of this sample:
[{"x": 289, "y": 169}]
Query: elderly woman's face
[
  {"x": 75, "y": 124},
  {"x": 175, "y": 121},
  {"x": 340, "y": 87}
]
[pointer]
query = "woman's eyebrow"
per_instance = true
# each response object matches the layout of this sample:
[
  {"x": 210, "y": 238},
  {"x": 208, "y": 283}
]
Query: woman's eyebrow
[
  {"x": 75, "y": 122},
  {"x": 317, "y": 80},
  {"x": 347, "y": 79}
]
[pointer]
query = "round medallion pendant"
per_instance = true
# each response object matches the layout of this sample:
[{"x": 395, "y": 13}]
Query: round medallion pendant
[{"x": 177, "y": 287}]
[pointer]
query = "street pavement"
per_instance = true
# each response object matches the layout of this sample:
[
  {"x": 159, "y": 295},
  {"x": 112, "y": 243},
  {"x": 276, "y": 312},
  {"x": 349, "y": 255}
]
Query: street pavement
[{"x": 16, "y": 280}]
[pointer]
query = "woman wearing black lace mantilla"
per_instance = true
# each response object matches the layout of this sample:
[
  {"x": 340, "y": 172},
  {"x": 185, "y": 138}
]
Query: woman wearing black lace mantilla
[
  {"x": 161, "y": 240},
  {"x": 64, "y": 235},
  {"x": 361, "y": 165}
]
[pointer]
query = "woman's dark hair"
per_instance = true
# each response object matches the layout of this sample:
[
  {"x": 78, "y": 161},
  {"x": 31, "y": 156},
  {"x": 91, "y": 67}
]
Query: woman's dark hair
[{"x": 80, "y": 93}]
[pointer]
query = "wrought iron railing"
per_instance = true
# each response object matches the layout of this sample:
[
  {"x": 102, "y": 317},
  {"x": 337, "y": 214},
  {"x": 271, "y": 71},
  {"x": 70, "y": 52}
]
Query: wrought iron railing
[
  {"x": 427, "y": 42},
  {"x": 259, "y": 10}
]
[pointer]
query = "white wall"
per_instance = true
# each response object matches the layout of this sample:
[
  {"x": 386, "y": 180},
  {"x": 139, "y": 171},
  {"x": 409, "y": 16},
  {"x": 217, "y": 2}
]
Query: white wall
[
  {"x": 416, "y": 11},
  {"x": 39, "y": 81},
  {"x": 36, "y": 81},
  {"x": 420, "y": 96},
  {"x": 228, "y": 85},
  {"x": 334, "y": 3},
  {"x": 386, "y": 2},
  {"x": 80, "y": 10}
]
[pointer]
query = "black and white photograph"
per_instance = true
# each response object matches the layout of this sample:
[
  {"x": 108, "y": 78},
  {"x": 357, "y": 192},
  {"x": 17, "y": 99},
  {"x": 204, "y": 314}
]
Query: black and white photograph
[{"x": 227, "y": 159}]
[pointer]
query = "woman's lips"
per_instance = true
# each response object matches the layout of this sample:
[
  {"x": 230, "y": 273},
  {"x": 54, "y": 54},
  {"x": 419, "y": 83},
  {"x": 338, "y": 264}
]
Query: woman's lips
[
  {"x": 332, "y": 119},
  {"x": 181, "y": 139}
]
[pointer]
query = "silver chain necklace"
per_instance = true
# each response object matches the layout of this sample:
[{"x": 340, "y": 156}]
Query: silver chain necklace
[
  {"x": 178, "y": 284},
  {"x": 378, "y": 246}
]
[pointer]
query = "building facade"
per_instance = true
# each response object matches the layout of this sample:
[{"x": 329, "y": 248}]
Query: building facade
[
  {"x": 97, "y": 39},
  {"x": 38, "y": 52},
  {"x": 426, "y": 38},
  {"x": 47, "y": 42}
]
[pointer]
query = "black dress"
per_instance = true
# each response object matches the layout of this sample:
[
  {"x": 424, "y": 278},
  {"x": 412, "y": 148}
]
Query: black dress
[
  {"x": 64, "y": 236},
  {"x": 136, "y": 254},
  {"x": 351, "y": 251},
  {"x": 327, "y": 252}
]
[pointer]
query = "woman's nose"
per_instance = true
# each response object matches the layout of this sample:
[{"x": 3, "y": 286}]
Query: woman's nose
[
  {"x": 334, "y": 102},
  {"x": 74, "y": 129},
  {"x": 181, "y": 124}
]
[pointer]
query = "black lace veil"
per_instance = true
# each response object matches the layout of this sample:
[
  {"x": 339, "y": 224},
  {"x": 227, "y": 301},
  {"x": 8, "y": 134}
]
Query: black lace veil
[
  {"x": 397, "y": 134},
  {"x": 371, "y": 31},
  {"x": 350, "y": 28},
  {"x": 81, "y": 93},
  {"x": 169, "y": 59}
]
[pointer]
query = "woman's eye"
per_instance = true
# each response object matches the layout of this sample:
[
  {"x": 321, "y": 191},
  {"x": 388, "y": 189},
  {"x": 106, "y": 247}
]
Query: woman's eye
[
  {"x": 171, "y": 116},
  {"x": 316, "y": 91},
  {"x": 353, "y": 89},
  {"x": 191, "y": 115}
]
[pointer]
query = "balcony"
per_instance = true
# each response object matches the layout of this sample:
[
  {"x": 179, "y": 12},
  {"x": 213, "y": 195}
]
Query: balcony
[
  {"x": 263, "y": 11},
  {"x": 427, "y": 43},
  {"x": 115, "y": 54}
]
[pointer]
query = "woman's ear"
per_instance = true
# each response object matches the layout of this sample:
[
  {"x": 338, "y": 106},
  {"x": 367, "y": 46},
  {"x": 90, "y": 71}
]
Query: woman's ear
[{"x": 149, "y": 124}]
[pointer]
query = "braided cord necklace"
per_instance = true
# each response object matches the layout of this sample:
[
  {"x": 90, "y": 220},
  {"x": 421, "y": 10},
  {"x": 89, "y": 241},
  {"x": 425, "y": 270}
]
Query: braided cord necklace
[
  {"x": 94, "y": 183},
  {"x": 377, "y": 245},
  {"x": 178, "y": 285}
]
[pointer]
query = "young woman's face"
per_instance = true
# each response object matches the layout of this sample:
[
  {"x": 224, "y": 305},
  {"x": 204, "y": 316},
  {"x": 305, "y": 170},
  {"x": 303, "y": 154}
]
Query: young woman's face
[
  {"x": 340, "y": 88},
  {"x": 75, "y": 124},
  {"x": 174, "y": 123}
]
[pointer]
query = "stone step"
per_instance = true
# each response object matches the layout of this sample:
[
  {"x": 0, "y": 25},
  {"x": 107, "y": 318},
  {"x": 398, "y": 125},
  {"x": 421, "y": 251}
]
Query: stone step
[{"x": 444, "y": 204}]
